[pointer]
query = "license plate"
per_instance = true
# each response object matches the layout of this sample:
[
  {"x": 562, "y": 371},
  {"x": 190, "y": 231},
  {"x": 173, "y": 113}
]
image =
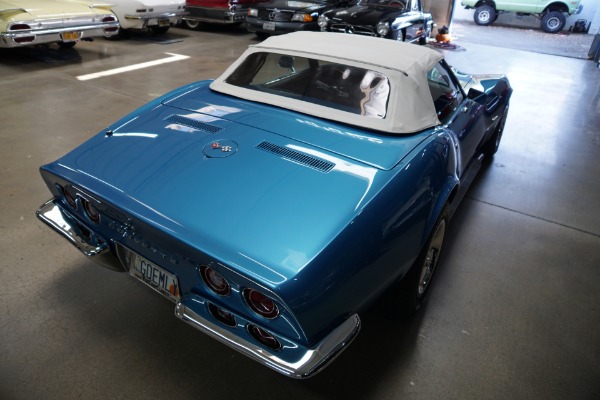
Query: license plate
[
  {"x": 269, "y": 26},
  {"x": 154, "y": 276},
  {"x": 163, "y": 22},
  {"x": 69, "y": 36}
]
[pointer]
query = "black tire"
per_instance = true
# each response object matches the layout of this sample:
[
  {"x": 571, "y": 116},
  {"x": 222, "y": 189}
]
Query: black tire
[
  {"x": 66, "y": 45},
  {"x": 159, "y": 30},
  {"x": 192, "y": 24},
  {"x": 415, "y": 286},
  {"x": 553, "y": 21},
  {"x": 261, "y": 35},
  {"x": 485, "y": 15},
  {"x": 491, "y": 146}
]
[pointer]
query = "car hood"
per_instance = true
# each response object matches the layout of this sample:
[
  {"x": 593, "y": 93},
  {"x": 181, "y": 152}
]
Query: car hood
[
  {"x": 363, "y": 14},
  {"x": 236, "y": 186},
  {"x": 295, "y": 5}
]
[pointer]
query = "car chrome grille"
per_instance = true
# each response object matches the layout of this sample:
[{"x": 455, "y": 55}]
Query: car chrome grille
[
  {"x": 275, "y": 15},
  {"x": 192, "y": 123},
  {"x": 297, "y": 156},
  {"x": 356, "y": 29}
]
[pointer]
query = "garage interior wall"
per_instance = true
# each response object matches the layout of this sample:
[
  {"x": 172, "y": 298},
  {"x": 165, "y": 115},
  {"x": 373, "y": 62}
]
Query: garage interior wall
[{"x": 441, "y": 11}]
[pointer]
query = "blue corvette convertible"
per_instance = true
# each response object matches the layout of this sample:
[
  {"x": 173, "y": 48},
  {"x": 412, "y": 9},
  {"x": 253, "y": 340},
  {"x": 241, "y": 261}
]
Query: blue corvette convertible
[{"x": 273, "y": 204}]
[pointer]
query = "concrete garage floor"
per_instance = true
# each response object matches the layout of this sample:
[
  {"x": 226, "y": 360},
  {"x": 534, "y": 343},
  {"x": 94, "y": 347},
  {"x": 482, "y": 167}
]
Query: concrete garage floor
[{"x": 514, "y": 313}]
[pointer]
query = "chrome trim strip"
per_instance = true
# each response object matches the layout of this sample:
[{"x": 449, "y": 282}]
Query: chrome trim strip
[
  {"x": 34, "y": 32},
  {"x": 61, "y": 222},
  {"x": 309, "y": 364},
  {"x": 151, "y": 16}
]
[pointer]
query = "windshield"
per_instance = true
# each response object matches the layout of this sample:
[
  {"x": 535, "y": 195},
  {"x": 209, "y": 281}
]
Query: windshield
[{"x": 331, "y": 84}]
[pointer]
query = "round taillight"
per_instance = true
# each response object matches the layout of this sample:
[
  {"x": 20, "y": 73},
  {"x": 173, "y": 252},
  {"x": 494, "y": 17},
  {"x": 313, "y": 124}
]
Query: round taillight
[
  {"x": 261, "y": 304},
  {"x": 264, "y": 337},
  {"x": 221, "y": 315},
  {"x": 108, "y": 19},
  {"x": 215, "y": 281},
  {"x": 91, "y": 211},
  {"x": 69, "y": 196}
]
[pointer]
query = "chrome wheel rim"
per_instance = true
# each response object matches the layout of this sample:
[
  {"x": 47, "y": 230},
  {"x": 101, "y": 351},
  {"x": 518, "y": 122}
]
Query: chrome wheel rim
[
  {"x": 484, "y": 16},
  {"x": 553, "y": 23},
  {"x": 431, "y": 258},
  {"x": 192, "y": 24}
]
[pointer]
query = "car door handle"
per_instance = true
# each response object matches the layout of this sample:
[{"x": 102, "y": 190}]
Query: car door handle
[{"x": 465, "y": 109}]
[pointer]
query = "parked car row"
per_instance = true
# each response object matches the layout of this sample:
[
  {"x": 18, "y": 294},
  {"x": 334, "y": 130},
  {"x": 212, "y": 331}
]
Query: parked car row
[{"x": 32, "y": 22}]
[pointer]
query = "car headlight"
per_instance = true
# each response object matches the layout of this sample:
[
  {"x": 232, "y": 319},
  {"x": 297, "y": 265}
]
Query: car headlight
[
  {"x": 383, "y": 28},
  {"x": 253, "y": 12},
  {"x": 323, "y": 21},
  {"x": 302, "y": 17}
]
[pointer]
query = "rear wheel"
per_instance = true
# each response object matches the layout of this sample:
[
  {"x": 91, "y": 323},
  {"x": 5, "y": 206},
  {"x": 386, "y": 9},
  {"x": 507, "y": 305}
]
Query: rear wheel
[
  {"x": 553, "y": 21},
  {"x": 192, "y": 24},
  {"x": 484, "y": 15},
  {"x": 415, "y": 286}
]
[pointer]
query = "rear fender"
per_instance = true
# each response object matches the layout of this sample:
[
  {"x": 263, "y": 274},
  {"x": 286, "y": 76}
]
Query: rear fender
[{"x": 449, "y": 186}]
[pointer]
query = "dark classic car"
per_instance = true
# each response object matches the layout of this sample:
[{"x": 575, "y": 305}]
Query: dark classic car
[
  {"x": 283, "y": 16},
  {"x": 231, "y": 12},
  {"x": 275, "y": 203},
  {"x": 402, "y": 20}
]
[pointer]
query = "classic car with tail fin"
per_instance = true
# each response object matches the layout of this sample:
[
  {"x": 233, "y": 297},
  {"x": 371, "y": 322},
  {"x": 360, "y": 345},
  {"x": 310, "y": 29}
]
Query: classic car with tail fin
[
  {"x": 33, "y": 22},
  {"x": 275, "y": 203},
  {"x": 154, "y": 15}
]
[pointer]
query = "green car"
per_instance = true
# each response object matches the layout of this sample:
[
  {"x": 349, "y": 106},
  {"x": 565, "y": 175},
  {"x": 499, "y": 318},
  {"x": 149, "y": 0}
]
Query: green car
[{"x": 553, "y": 13}]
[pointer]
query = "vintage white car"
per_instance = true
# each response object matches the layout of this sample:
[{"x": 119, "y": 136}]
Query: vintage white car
[
  {"x": 155, "y": 15},
  {"x": 31, "y": 22}
]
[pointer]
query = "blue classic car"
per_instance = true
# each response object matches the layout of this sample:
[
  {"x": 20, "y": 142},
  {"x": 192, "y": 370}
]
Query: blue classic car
[{"x": 273, "y": 204}]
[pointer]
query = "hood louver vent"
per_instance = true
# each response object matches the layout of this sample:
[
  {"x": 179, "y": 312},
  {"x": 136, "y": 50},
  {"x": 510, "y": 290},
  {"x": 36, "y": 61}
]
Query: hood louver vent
[
  {"x": 296, "y": 156},
  {"x": 192, "y": 123}
]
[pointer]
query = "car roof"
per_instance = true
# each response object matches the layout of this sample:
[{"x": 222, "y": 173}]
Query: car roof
[
  {"x": 404, "y": 57},
  {"x": 410, "y": 107}
]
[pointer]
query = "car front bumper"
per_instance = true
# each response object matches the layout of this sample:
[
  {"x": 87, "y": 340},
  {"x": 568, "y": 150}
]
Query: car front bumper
[
  {"x": 254, "y": 25},
  {"x": 292, "y": 360},
  {"x": 217, "y": 15}
]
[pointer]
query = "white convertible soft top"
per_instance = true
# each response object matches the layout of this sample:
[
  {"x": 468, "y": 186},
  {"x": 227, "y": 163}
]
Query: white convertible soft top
[{"x": 410, "y": 106}]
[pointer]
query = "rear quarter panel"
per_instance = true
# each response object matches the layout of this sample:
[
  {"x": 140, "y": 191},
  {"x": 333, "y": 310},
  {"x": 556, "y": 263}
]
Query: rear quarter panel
[{"x": 380, "y": 245}]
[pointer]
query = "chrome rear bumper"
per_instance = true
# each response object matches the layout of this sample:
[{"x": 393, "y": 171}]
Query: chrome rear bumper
[
  {"x": 308, "y": 364},
  {"x": 53, "y": 35},
  {"x": 89, "y": 243}
]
